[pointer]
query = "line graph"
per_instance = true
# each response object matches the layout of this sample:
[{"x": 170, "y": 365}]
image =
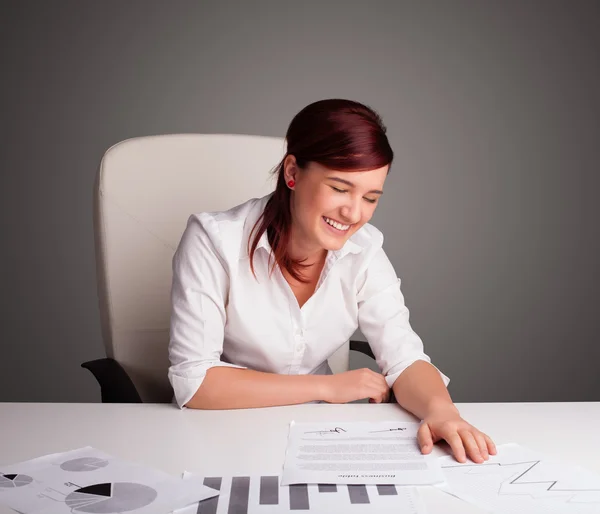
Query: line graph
[
  {"x": 519, "y": 480},
  {"x": 537, "y": 488}
]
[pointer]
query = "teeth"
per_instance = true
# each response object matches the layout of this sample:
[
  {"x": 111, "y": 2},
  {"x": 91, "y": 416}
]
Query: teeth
[{"x": 335, "y": 224}]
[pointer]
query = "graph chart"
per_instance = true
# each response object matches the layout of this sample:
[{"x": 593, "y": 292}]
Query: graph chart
[
  {"x": 110, "y": 498},
  {"x": 518, "y": 480},
  {"x": 89, "y": 481},
  {"x": 264, "y": 495},
  {"x": 14, "y": 480},
  {"x": 84, "y": 464}
]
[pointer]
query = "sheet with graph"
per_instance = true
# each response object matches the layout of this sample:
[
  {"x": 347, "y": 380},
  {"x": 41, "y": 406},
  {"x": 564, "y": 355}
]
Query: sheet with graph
[
  {"x": 264, "y": 495},
  {"x": 88, "y": 481},
  {"x": 520, "y": 481},
  {"x": 385, "y": 452}
]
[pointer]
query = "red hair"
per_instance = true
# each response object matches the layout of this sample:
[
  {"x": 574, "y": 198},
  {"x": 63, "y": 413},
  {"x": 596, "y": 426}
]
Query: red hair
[{"x": 338, "y": 134}]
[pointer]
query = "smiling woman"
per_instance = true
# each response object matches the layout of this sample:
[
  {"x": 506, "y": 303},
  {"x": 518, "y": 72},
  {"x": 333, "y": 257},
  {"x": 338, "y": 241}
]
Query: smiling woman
[
  {"x": 264, "y": 293},
  {"x": 345, "y": 137}
]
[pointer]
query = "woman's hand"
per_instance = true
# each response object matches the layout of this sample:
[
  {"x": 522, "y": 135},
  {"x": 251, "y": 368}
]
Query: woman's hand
[
  {"x": 355, "y": 385},
  {"x": 464, "y": 439}
]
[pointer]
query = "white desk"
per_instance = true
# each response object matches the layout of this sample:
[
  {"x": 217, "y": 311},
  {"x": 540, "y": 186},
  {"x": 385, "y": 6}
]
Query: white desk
[{"x": 253, "y": 441}]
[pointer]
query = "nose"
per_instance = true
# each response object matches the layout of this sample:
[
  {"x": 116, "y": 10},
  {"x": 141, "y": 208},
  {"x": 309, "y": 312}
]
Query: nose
[{"x": 351, "y": 210}]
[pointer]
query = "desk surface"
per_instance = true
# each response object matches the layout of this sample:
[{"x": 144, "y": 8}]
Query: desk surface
[{"x": 253, "y": 441}]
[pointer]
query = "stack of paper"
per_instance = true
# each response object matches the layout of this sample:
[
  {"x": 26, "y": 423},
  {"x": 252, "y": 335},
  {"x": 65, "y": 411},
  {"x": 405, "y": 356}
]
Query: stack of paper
[{"x": 359, "y": 468}]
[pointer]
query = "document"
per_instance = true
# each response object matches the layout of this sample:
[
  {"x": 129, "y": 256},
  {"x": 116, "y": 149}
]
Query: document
[
  {"x": 358, "y": 453},
  {"x": 519, "y": 481},
  {"x": 88, "y": 481},
  {"x": 263, "y": 494}
]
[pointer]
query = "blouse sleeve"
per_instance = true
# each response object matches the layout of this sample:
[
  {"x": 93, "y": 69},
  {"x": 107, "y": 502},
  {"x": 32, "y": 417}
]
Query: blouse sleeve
[
  {"x": 384, "y": 320},
  {"x": 198, "y": 297}
]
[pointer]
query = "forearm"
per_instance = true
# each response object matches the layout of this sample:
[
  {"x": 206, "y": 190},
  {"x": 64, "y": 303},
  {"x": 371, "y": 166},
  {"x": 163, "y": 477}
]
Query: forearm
[
  {"x": 420, "y": 389},
  {"x": 234, "y": 388}
]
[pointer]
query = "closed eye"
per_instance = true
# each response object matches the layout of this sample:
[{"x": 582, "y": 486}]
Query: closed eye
[{"x": 338, "y": 190}]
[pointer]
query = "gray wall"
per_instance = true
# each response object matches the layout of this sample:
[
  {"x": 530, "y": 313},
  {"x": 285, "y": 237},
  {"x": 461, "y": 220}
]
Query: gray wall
[{"x": 490, "y": 213}]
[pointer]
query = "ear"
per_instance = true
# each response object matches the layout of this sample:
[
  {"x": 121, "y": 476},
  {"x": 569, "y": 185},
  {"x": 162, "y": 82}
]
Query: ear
[{"x": 290, "y": 169}]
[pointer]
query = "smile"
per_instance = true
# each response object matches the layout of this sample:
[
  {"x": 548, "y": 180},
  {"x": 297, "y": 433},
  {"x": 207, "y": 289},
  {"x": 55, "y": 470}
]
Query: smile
[{"x": 338, "y": 226}]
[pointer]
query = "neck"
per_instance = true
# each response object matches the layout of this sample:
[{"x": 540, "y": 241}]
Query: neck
[{"x": 300, "y": 250}]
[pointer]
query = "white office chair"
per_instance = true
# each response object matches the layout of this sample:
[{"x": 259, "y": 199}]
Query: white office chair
[{"x": 146, "y": 188}]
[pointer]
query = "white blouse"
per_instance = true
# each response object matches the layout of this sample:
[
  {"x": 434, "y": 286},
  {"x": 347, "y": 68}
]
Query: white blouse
[{"x": 223, "y": 316}]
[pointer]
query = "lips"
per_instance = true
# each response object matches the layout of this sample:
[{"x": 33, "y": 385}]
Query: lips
[{"x": 335, "y": 226}]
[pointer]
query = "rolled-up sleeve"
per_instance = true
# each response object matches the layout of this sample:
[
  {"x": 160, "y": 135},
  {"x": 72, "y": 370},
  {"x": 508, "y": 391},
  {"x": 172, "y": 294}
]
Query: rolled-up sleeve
[
  {"x": 384, "y": 320},
  {"x": 198, "y": 298}
]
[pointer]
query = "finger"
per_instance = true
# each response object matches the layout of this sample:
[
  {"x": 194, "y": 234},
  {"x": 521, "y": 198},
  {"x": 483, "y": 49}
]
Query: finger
[
  {"x": 386, "y": 397},
  {"x": 456, "y": 443},
  {"x": 490, "y": 445},
  {"x": 369, "y": 391},
  {"x": 470, "y": 444},
  {"x": 424, "y": 438},
  {"x": 382, "y": 396},
  {"x": 380, "y": 389},
  {"x": 481, "y": 444},
  {"x": 375, "y": 395}
]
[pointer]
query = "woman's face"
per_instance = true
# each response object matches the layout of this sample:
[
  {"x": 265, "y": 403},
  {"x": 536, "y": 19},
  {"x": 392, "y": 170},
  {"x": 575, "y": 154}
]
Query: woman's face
[{"x": 328, "y": 206}]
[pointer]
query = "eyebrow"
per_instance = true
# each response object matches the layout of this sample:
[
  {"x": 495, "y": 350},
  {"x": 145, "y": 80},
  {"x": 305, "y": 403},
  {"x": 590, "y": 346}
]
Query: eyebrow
[{"x": 348, "y": 183}]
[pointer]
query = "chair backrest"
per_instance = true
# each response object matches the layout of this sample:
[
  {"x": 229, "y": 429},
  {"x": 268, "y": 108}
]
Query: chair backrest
[{"x": 146, "y": 189}]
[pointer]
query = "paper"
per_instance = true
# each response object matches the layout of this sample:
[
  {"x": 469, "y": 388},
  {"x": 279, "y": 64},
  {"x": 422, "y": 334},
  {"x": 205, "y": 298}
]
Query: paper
[
  {"x": 90, "y": 481},
  {"x": 358, "y": 453},
  {"x": 264, "y": 495},
  {"x": 519, "y": 481}
]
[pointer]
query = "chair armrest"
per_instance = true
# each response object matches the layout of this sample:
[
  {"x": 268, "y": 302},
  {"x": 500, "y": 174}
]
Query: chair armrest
[
  {"x": 362, "y": 347},
  {"x": 115, "y": 384}
]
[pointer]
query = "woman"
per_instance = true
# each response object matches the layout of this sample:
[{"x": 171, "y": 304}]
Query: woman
[{"x": 265, "y": 292}]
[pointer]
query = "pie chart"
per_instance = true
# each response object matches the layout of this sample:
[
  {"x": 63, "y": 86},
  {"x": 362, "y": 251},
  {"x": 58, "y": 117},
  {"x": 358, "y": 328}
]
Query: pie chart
[
  {"x": 84, "y": 464},
  {"x": 9, "y": 481},
  {"x": 110, "y": 498}
]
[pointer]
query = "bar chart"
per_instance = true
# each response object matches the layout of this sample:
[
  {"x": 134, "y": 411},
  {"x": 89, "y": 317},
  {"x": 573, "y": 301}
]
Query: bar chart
[{"x": 264, "y": 495}]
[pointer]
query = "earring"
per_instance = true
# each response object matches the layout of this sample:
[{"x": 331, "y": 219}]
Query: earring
[{"x": 291, "y": 183}]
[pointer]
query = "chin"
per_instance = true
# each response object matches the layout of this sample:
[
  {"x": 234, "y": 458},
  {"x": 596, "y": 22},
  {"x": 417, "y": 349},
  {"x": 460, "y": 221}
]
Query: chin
[
  {"x": 333, "y": 247},
  {"x": 333, "y": 244}
]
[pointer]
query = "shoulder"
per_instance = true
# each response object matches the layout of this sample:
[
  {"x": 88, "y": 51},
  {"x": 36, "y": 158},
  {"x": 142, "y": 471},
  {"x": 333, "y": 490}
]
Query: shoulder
[
  {"x": 216, "y": 221},
  {"x": 224, "y": 231}
]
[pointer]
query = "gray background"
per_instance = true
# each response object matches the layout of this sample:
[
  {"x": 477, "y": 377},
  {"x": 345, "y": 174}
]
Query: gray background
[{"x": 490, "y": 213}]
